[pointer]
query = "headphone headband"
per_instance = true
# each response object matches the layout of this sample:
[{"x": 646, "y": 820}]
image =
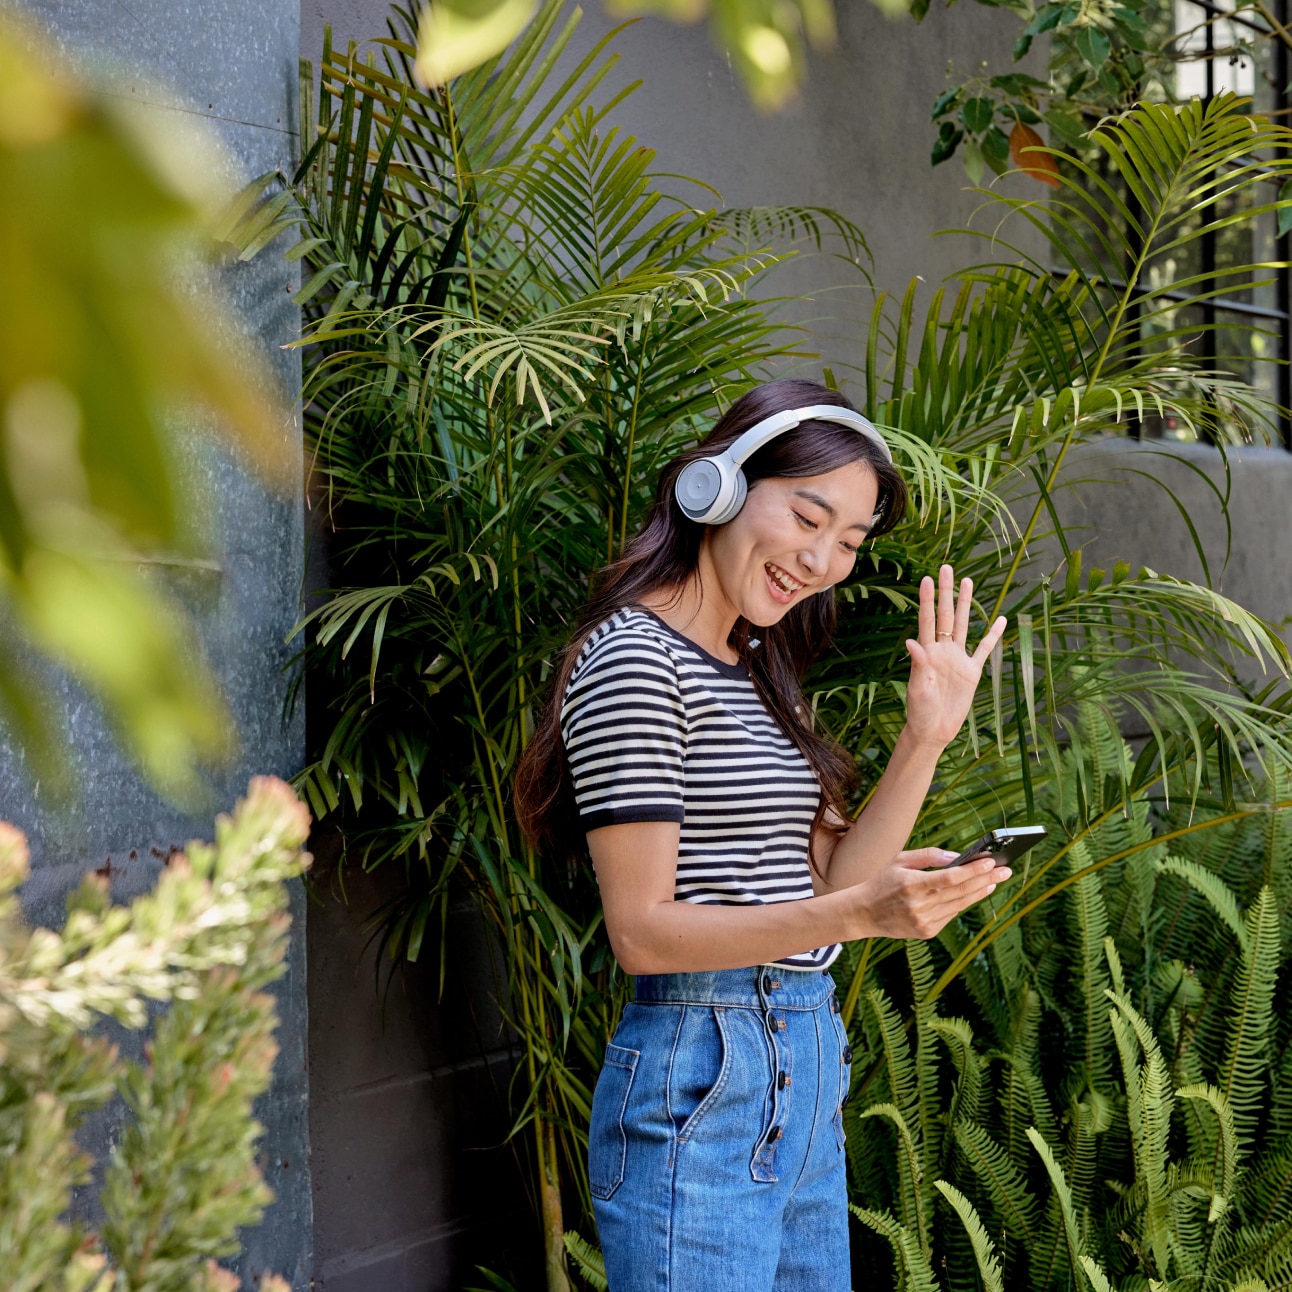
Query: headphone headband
[
  {"x": 712, "y": 490},
  {"x": 769, "y": 428}
]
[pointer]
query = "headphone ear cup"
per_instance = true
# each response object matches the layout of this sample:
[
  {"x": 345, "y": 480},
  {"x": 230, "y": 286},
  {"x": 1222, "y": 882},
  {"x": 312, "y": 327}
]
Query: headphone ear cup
[
  {"x": 739, "y": 491},
  {"x": 698, "y": 488}
]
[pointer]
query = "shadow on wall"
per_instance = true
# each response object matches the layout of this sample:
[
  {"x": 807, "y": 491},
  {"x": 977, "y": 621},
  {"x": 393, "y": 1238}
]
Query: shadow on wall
[{"x": 415, "y": 1183}]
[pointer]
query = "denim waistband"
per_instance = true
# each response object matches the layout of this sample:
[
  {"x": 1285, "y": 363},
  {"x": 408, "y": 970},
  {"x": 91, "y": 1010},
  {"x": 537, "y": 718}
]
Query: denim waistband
[{"x": 755, "y": 988}]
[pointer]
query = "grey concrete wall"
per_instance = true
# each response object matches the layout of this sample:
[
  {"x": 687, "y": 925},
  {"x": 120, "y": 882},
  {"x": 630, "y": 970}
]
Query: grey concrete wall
[
  {"x": 1115, "y": 502},
  {"x": 230, "y": 65},
  {"x": 415, "y": 1182}
]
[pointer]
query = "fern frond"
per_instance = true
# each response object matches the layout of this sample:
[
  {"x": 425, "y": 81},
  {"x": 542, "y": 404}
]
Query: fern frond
[
  {"x": 898, "y": 1063},
  {"x": 1005, "y": 1183},
  {"x": 1149, "y": 1102},
  {"x": 932, "y": 1124},
  {"x": 911, "y": 1169},
  {"x": 591, "y": 1264},
  {"x": 1071, "y": 1234},
  {"x": 1225, "y": 1168},
  {"x": 966, "y": 1099},
  {"x": 1098, "y": 1279},
  {"x": 1210, "y": 886},
  {"x": 912, "y": 1263},
  {"x": 1089, "y": 928},
  {"x": 983, "y": 1249},
  {"x": 1243, "y": 1078}
]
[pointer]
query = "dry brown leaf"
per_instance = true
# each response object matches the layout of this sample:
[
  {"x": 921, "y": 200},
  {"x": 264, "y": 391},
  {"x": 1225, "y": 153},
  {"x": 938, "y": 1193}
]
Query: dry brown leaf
[{"x": 1023, "y": 141}]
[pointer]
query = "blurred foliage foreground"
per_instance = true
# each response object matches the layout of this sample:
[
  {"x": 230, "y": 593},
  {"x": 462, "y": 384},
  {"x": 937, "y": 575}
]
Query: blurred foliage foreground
[
  {"x": 182, "y": 1179},
  {"x": 112, "y": 336}
]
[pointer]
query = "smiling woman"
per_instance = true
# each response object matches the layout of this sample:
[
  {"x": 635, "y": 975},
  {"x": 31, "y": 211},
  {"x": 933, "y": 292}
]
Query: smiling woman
[{"x": 677, "y": 748}]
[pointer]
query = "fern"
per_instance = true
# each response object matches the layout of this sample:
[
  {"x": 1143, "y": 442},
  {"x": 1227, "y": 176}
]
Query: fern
[
  {"x": 984, "y": 1251},
  {"x": 1243, "y": 1077},
  {"x": 587, "y": 1259},
  {"x": 1063, "y": 1196},
  {"x": 1149, "y": 1102},
  {"x": 1005, "y": 1184},
  {"x": 911, "y": 1169},
  {"x": 914, "y": 1274}
]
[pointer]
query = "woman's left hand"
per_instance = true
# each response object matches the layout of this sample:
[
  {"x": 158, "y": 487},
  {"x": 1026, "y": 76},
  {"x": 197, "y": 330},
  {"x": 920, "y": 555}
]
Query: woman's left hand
[{"x": 944, "y": 675}]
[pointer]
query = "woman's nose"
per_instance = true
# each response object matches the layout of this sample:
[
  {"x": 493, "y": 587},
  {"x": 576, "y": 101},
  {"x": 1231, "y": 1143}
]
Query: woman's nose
[{"x": 813, "y": 559}]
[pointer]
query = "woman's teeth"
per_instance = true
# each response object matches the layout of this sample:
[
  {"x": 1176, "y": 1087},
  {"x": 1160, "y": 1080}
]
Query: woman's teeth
[{"x": 783, "y": 582}]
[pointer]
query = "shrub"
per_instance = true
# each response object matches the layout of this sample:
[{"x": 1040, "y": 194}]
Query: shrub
[{"x": 206, "y": 942}]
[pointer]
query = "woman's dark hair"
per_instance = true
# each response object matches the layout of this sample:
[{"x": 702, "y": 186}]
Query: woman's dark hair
[{"x": 665, "y": 554}]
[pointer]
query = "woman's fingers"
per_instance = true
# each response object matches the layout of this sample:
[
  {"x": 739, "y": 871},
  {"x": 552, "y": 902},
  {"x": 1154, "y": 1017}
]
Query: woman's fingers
[
  {"x": 964, "y": 607},
  {"x": 970, "y": 883},
  {"x": 925, "y": 858},
  {"x": 946, "y": 602},
  {"x": 990, "y": 638},
  {"x": 927, "y": 633}
]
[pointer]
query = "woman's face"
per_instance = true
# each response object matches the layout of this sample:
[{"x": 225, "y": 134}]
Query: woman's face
[{"x": 792, "y": 538}]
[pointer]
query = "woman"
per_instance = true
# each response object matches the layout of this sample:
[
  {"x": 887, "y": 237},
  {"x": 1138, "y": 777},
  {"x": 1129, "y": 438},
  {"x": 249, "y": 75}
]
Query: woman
[{"x": 678, "y": 743}]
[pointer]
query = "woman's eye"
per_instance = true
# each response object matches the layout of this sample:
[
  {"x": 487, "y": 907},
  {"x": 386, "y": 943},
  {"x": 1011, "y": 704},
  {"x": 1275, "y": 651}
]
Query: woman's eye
[
  {"x": 848, "y": 547},
  {"x": 803, "y": 520}
]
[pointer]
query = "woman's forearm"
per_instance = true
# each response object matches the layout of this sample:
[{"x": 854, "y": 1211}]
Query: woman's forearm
[
  {"x": 686, "y": 937},
  {"x": 883, "y": 828}
]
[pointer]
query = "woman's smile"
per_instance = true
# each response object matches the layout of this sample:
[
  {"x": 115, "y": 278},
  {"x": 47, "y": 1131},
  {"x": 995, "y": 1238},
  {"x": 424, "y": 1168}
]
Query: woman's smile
[{"x": 783, "y": 585}]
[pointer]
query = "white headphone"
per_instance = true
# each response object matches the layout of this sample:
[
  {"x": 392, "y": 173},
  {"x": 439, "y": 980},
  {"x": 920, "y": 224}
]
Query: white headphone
[{"x": 712, "y": 490}]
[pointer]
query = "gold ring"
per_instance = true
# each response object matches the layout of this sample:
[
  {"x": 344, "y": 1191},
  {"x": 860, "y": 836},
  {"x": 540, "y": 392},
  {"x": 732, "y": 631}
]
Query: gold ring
[{"x": 946, "y": 634}]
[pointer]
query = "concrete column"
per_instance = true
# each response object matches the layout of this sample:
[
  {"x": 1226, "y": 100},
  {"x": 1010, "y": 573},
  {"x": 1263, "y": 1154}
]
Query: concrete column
[{"x": 232, "y": 66}]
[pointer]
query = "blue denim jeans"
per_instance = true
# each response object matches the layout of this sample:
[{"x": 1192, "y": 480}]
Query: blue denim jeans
[{"x": 716, "y": 1144}]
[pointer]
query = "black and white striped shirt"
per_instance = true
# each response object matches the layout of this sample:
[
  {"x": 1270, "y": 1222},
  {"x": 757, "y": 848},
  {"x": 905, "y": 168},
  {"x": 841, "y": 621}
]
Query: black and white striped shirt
[{"x": 657, "y": 729}]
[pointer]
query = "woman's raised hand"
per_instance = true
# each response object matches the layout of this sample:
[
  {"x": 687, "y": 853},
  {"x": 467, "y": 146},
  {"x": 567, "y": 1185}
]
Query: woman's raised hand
[{"x": 944, "y": 675}]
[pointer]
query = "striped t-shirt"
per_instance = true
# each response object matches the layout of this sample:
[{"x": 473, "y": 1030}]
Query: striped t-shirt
[{"x": 657, "y": 729}]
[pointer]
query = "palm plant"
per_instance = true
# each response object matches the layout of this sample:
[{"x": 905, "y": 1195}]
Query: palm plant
[{"x": 512, "y": 322}]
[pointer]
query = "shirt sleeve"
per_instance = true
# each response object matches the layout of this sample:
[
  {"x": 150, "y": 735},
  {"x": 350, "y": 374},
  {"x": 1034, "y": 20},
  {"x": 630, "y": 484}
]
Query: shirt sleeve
[{"x": 623, "y": 723}]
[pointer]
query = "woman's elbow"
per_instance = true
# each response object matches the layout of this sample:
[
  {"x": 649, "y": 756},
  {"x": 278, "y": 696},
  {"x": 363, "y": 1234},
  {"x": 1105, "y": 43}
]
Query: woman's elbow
[{"x": 635, "y": 954}]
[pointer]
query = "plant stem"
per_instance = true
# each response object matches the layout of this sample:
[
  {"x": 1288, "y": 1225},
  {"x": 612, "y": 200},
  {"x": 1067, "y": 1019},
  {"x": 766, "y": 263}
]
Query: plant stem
[{"x": 553, "y": 1223}]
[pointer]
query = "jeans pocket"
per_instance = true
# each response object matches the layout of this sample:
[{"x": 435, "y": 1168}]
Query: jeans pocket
[
  {"x": 697, "y": 1068},
  {"x": 607, "y": 1142}
]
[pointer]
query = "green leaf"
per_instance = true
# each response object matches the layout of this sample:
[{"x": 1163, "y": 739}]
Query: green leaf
[
  {"x": 1285, "y": 207},
  {"x": 945, "y": 102},
  {"x": 1093, "y": 45},
  {"x": 977, "y": 114},
  {"x": 587, "y": 1258},
  {"x": 945, "y": 145},
  {"x": 989, "y": 1266},
  {"x": 1067, "y": 125},
  {"x": 995, "y": 149}
]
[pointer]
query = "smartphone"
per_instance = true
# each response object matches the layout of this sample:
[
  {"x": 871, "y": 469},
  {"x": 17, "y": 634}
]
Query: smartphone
[{"x": 1004, "y": 845}]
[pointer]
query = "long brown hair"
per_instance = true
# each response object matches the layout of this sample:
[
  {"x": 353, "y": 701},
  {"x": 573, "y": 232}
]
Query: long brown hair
[{"x": 665, "y": 554}]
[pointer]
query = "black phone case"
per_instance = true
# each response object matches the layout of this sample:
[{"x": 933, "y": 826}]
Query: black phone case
[{"x": 1002, "y": 853}]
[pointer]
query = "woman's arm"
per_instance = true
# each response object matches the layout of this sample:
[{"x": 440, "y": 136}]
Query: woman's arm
[
  {"x": 636, "y": 867},
  {"x": 944, "y": 677}
]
